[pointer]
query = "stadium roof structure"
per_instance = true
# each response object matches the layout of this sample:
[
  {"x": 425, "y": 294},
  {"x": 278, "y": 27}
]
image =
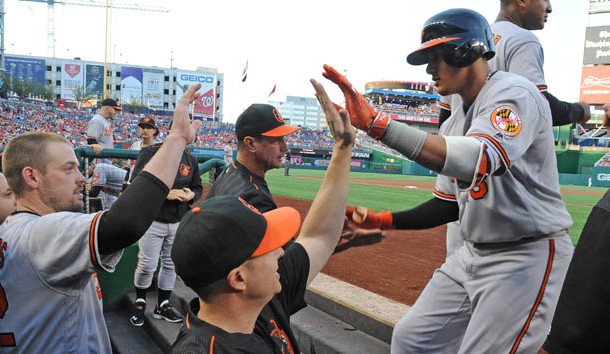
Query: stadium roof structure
[
  {"x": 402, "y": 89},
  {"x": 405, "y": 94}
]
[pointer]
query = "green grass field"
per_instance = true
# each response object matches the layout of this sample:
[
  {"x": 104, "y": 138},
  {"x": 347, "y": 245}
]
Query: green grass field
[{"x": 396, "y": 199}]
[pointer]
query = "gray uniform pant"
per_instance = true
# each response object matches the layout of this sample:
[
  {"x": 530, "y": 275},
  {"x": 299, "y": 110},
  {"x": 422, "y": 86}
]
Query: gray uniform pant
[
  {"x": 156, "y": 242},
  {"x": 487, "y": 299}
]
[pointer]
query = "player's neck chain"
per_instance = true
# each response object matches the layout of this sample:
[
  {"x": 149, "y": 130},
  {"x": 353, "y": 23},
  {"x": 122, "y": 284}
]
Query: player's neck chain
[{"x": 490, "y": 74}]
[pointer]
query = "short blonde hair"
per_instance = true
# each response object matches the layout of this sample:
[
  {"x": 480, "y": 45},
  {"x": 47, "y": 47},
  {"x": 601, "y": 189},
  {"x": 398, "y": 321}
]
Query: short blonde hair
[{"x": 27, "y": 150}]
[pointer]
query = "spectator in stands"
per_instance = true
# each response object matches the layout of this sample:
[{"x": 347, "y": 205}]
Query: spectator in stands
[
  {"x": 7, "y": 199},
  {"x": 228, "y": 253},
  {"x": 99, "y": 130}
]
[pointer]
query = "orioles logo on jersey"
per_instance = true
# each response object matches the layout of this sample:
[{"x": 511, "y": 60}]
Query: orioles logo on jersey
[
  {"x": 185, "y": 169},
  {"x": 506, "y": 121}
]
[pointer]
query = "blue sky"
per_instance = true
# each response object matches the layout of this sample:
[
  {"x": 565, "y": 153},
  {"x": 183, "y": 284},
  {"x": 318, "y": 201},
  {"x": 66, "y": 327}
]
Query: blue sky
[{"x": 285, "y": 42}]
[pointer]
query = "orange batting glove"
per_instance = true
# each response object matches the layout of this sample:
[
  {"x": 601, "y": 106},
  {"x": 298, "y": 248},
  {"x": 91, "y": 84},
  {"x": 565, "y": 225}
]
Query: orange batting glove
[
  {"x": 362, "y": 115},
  {"x": 368, "y": 218}
]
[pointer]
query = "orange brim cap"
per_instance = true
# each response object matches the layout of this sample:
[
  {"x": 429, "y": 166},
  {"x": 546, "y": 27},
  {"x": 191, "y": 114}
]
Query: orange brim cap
[
  {"x": 117, "y": 108},
  {"x": 419, "y": 56},
  {"x": 282, "y": 225},
  {"x": 282, "y": 130}
]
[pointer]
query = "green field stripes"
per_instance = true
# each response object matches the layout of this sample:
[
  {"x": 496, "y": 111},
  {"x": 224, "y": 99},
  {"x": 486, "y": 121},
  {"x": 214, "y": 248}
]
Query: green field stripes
[{"x": 304, "y": 184}]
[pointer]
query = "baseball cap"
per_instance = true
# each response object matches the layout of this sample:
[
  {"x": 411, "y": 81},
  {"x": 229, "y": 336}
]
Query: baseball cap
[
  {"x": 223, "y": 232},
  {"x": 261, "y": 119},
  {"x": 112, "y": 103},
  {"x": 147, "y": 121}
]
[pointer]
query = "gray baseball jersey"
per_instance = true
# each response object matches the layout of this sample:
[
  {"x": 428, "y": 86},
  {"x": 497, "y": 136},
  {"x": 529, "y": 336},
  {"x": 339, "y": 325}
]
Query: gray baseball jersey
[
  {"x": 516, "y": 251},
  {"x": 518, "y": 51},
  {"x": 52, "y": 301},
  {"x": 109, "y": 177},
  {"x": 101, "y": 129},
  {"x": 514, "y": 122}
]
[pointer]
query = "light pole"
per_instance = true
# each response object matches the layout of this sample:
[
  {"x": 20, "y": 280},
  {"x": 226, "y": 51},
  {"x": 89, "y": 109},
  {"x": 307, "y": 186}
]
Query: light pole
[{"x": 13, "y": 65}]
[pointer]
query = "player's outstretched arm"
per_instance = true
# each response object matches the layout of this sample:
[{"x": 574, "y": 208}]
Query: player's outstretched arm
[{"x": 322, "y": 226}]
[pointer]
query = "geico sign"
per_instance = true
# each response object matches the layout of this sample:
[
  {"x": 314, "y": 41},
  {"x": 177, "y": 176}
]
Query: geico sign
[
  {"x": 197, "y": 78},
  {"x": 603, "y": 176}
]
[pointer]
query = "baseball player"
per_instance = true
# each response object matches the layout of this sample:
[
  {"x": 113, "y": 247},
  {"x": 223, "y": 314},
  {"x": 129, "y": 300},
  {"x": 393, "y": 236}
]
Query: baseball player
[
  {"x": 107, "y": 182},
  {"x": 7, "y": 199},
  {"x": 260, "y": 131},
  {"x": 228, "y": 253},
  {"x": 519, "y": 51},
  {"x": 228, "y": 153},
  {"x": 497, "y": 292},
  {"x": 50, "y": 297},
  {"x": 99, "y": 130},
  {"x": 148, "y": 131},
  {"x": 158, "y": 239}
]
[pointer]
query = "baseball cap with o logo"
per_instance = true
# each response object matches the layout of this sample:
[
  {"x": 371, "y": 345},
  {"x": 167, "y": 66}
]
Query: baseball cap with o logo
[
  {"x": 223, "y": 232},
  {"x": 262, "y": 120}
]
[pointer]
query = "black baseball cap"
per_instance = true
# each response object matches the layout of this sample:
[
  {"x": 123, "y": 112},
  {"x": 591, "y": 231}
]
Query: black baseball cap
[
  {"x": 223, "y": 232},
  {"x": 261, "y": 119},
  {"x": 147, "y": 121},
  {"x": 112, "y": 103}
]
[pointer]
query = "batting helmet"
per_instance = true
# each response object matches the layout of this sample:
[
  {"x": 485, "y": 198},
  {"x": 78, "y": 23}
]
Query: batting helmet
[{"x": 464, "y": 33}]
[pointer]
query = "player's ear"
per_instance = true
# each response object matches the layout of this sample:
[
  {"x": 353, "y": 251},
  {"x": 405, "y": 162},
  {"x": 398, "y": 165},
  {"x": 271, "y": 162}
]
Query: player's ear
[
  {"x": 31, "y": 177},
  {"x": 249, "y": 143},
  {"x": 236, "y": 279}
]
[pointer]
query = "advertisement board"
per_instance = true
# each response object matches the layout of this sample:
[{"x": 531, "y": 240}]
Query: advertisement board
[
  {"x": 595, "y": 84},
  {"x": 131, "y": 84},
  {"x": 94, "y": 79},
  {"x": 25, "y": 68},
  {"x": 152, "y": 89},
  {"x": 72, "y": 79},
  {"x": 205, "y": 106},
  {"x": 599, "y": 6},
  {"x": 597, "y": 45}
]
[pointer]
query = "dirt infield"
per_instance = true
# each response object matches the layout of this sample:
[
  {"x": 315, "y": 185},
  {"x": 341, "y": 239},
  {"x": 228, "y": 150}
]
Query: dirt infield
[
  {"x": 401, "y": 264},
  {"x": 398, "y": 267}
]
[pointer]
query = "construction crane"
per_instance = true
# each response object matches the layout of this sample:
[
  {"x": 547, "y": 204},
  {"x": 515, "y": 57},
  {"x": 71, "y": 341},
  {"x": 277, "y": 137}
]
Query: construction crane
[{"x": 105, "y": 4}]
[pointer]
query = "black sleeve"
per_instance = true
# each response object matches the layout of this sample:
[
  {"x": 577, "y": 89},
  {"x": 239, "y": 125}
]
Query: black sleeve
[
  {"x": 95, "y": 190},
  {"x": 143, "y": 157},
  {"x": 443, "y": 115},
  {"x": 132, "y": 213},
  {"x": 563, "y": 112},
  {"x": 195, "y": 184},
  {"x": 91, "y": 141},
  {"x": 434, "y": 212}
]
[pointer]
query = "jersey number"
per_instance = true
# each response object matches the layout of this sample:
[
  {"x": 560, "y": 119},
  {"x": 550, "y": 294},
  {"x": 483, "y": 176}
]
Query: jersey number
[{"x": 6, "y": 339}]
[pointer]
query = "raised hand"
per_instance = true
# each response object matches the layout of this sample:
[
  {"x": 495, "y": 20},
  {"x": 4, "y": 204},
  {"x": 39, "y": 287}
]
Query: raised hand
[
  {"x": 361, "y": 113},
  {"x": 181, "y": 125},
  {"x": 337, "y": 118}
]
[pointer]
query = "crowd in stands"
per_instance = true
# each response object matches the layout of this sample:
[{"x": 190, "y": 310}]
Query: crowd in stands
[{"x": 20, "y": 117}]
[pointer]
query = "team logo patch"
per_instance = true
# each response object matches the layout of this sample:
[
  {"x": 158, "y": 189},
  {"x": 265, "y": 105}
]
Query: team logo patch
[
  {"x": 277, "y": 115},
  {"x": 506, "y": 121},
  {"x": 184, "y": 169}
]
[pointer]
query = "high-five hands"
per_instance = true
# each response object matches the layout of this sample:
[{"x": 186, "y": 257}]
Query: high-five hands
[
  {"x": 369, "y": 218},
  {"x": 337, "y": 118},
  {"x": 362, "y": 115}
]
